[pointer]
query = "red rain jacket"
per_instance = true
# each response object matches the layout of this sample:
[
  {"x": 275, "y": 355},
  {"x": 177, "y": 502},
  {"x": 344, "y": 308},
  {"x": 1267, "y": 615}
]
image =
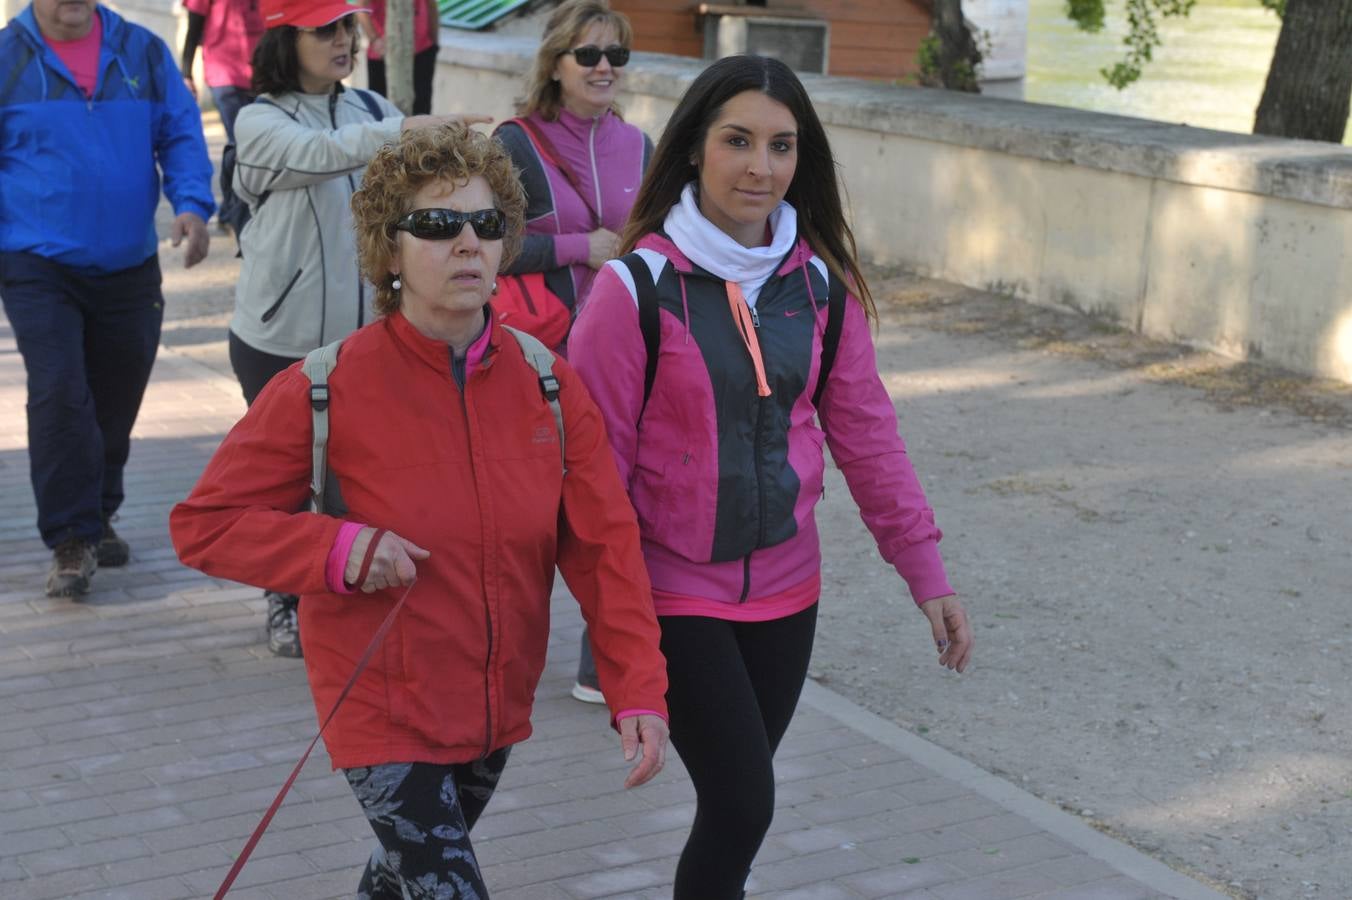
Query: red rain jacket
[{"x": 476, "y": 478}]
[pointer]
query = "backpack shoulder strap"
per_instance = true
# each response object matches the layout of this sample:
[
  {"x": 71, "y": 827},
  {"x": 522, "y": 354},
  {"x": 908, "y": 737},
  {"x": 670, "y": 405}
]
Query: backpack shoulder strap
[
  {"x": 542, "y": 145},
  {"x": 318, "y": 365},
  {"x": 649, "y": 320},
  {"x": 542, "y": 361},
  {"x": 372, "y": 105},
  {"x": 545, "y": 147},
  {"x": 835, "y": 321}
]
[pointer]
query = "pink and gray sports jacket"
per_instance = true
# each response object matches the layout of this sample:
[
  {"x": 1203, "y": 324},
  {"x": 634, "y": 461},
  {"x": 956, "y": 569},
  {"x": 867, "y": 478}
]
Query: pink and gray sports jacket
[{"x": 725, "y": 479}]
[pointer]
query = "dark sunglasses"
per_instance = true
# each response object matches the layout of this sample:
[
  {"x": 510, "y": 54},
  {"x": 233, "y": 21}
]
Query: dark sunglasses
[
  {"x": 445, "y": 224},
  {"x": 327, "y": 32},
  {"x": 590, "y": 55}
]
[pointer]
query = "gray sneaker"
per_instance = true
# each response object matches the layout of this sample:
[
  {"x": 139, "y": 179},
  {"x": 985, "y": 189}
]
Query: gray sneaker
[
  {"x": 73, "y": 564},
  {"x": 112, "y": 550},
  {"x": 283, "y": 624}
]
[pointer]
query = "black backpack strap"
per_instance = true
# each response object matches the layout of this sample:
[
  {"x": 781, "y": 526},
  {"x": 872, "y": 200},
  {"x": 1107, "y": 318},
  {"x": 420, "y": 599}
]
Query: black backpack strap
[
  {"x": 649, "y": 320},
  {"x": 835, "y": 321},
  {"x": 372, "y": 106}
]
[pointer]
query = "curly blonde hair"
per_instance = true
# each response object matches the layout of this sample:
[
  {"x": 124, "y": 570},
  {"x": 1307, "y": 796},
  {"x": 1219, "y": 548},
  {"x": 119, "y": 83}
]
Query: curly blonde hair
[
  {"x": 564, "y": 28},
  {"x": 451, "y": 152}
]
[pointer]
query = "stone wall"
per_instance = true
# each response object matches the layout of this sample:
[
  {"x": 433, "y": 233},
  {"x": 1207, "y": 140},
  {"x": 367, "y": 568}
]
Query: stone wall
[{"x": 1226, "y": 241}]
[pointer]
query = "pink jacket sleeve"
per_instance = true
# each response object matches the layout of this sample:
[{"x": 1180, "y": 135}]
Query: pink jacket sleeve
[{"x": 861, "y": 429}]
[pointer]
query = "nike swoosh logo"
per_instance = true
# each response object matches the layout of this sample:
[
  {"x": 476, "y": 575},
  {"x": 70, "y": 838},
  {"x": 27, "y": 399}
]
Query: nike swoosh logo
[
  {"x": 792, "y": 313},
  {"x": 628, "y": 190}
]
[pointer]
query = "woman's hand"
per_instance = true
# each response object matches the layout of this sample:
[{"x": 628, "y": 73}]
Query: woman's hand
[
  {"x": 602, "y": 245},
  {"x": 392, "y": 561},
  {"x": 377, "y": 47},
  {"x": 432, "y": 121},
  {"x": 651, "y": 732},
  {"x": 952, "y": 634}
]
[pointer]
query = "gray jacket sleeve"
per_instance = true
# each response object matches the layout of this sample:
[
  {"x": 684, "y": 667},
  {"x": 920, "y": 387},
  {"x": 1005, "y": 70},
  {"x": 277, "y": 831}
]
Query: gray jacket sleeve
[
  {"x": 276, "y": 152},
  {"x": 537, "y": 250}
]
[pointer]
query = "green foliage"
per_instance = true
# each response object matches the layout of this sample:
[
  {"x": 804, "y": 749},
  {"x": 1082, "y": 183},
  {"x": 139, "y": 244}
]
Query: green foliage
[
  {"x": 965, "y": 73},
  {"x": 1143, "y": 37},
  {"x": 927, "y": 58},
  {"x": 1086, "y": 14}
]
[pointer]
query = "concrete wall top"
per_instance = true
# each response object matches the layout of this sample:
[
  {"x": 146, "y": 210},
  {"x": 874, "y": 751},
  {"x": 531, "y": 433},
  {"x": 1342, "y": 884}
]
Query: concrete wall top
[{"x": 1304, "y": 171}]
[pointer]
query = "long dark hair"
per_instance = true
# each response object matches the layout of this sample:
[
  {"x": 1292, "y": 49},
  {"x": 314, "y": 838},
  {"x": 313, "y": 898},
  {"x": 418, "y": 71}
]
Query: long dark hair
[
  {"x": 814, "y": 192},
  {"x": 276, "y": 65}
]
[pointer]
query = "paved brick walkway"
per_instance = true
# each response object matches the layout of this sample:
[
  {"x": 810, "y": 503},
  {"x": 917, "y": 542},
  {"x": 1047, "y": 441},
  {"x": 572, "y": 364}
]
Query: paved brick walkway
[{"x": 145, "y": 728}]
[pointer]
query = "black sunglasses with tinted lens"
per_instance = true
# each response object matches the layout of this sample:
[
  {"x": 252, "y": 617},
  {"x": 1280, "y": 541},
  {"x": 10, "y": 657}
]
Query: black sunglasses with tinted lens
[
  {"x": 445, "y": 224},
  {"x": 327, "y": 32},
  {"x": 590, "y": 55}
]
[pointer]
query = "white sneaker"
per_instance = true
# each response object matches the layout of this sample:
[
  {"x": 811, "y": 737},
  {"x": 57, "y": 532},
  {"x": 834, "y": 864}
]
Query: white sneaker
[{"x": 587, "y": 694}]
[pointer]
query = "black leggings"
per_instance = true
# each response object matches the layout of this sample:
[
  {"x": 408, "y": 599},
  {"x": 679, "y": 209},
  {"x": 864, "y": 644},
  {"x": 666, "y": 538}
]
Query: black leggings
[
  {"x": 422, "y": 814},
  {"x": 254, "y": 368},
  {"x": 733, "y": 689}
]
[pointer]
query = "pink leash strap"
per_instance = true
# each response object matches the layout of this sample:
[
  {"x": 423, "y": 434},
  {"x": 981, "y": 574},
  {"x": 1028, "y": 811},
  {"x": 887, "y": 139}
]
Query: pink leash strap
[{"x": 291, "y": 779}]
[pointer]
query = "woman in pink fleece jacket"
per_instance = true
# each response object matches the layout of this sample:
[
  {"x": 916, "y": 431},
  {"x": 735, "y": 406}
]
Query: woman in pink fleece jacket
[
  {"x": 735, "y": 289},
  {"x": 577, "y": 202},
  {"x": 581, "y": 184}
]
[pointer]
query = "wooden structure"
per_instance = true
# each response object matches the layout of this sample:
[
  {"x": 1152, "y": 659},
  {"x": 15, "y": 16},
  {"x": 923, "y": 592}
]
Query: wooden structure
[{"x": 867, "y": 38}]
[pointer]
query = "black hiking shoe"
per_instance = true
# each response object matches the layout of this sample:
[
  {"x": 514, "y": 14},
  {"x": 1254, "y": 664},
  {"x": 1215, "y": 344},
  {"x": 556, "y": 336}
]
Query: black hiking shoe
[
  {"x": 112, "y": 550},
  {"x": 283, "y": 624},
  {"x": 74, "y": 562}
]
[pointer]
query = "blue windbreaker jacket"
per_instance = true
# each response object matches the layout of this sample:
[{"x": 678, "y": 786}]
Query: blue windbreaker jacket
[{"x": 78, "y": 178}]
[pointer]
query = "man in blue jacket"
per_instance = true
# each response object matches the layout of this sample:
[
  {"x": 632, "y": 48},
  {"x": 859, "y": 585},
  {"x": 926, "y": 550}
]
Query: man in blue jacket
[{"x": 92, "y": 110}]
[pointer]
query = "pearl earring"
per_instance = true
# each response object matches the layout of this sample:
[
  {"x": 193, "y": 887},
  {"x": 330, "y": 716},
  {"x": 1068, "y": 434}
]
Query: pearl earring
[
  {"x": 495, "y": 288},
  {"x": 396, "y": 284}
]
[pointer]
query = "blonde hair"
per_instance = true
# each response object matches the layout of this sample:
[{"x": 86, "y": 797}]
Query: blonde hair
[
  {"x": 572, "y": 17},
  {"x": 451, "y": 152}
]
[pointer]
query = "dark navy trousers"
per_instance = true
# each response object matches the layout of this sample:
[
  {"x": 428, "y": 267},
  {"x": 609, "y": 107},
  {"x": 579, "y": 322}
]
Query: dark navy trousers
[{"x": 88, "y": 343}]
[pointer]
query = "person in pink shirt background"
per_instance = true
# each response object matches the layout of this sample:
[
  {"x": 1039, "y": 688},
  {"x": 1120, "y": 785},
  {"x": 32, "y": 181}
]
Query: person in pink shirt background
[
  {"x": 426, "y": 21},
  {"x": 227, "y": 31}
]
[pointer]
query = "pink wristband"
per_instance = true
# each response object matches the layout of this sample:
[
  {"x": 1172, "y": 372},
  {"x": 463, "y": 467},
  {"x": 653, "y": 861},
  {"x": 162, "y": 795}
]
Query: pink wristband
[{"x": 338, "y": 553}]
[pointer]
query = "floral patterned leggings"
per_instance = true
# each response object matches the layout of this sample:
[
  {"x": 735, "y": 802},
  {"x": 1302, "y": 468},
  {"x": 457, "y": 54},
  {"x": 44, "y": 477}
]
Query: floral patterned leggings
[{"x": 422, "y": 814}]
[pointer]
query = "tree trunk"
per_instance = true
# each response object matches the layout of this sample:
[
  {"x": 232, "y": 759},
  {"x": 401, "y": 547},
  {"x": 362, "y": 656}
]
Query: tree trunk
[
  {"x": 1310, "y": 81},
  {"x": 959, "y": 56},
  {"x": 399, "y": 53}
]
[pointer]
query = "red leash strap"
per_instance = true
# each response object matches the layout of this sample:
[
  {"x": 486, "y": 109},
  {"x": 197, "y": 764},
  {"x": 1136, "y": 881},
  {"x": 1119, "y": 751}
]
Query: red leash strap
[
  {"x": 281, "y": 795},
  {"x": 366, "y": 560}
]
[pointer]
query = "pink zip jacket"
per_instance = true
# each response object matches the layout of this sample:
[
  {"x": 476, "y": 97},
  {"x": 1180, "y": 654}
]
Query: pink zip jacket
[
  {"x": 725, "y": 467},
  {"x": 608, "y": 157}
]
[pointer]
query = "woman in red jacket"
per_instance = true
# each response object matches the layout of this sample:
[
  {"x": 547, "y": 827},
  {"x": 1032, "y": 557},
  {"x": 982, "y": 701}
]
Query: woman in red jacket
[{"x": 449, "y": 464}]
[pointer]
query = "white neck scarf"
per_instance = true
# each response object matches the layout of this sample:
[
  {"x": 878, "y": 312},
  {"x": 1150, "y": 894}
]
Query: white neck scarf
[{"x": 710, "y": 248}]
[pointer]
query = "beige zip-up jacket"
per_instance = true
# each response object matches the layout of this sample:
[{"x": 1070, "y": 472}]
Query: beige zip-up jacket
[{"x": 299, "y": 160}]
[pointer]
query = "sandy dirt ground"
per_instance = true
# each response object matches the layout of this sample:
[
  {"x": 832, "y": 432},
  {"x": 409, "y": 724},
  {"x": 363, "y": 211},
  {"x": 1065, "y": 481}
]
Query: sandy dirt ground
[{"x": 1155, "y": 546}]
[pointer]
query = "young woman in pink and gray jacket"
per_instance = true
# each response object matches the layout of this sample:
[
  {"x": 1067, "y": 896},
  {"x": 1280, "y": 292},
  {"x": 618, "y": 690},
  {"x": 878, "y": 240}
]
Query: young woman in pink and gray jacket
[{"x": 735, "y": 285}]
